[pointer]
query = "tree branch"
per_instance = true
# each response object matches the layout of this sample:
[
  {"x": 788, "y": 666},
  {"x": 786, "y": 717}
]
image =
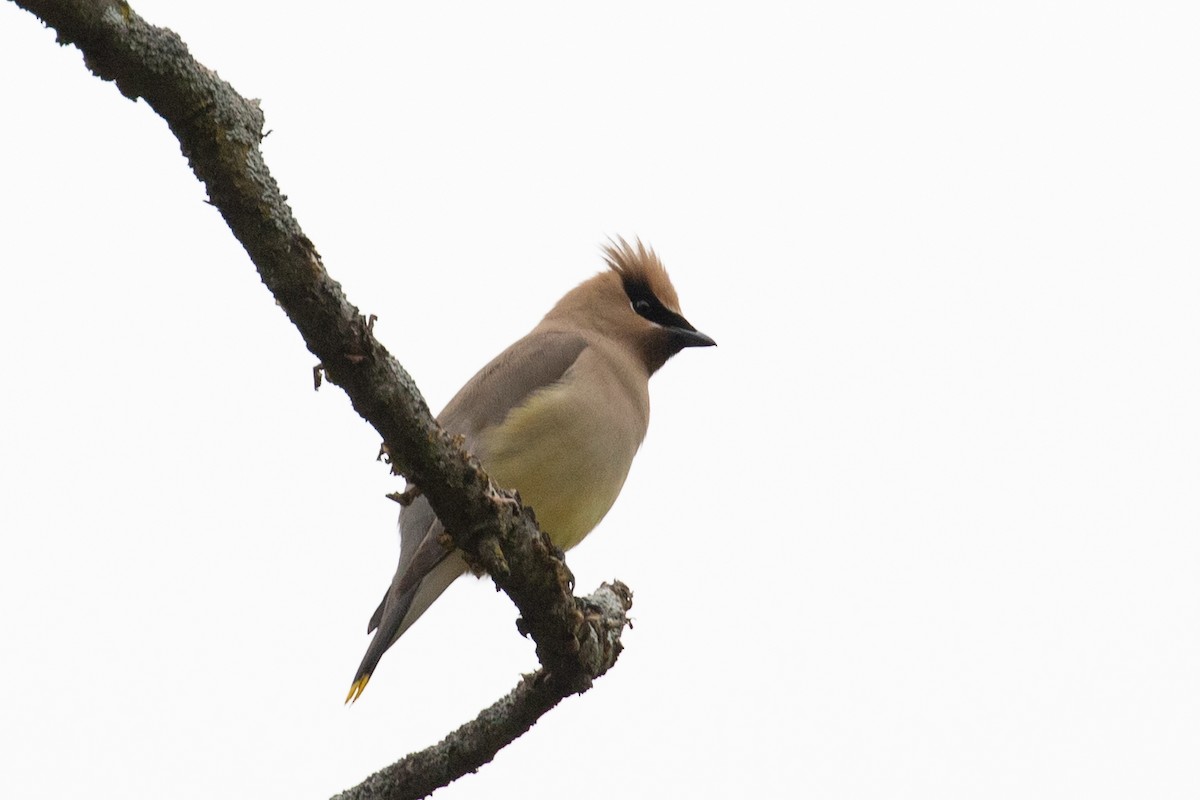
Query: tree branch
[{"x": 219, "y": 132}]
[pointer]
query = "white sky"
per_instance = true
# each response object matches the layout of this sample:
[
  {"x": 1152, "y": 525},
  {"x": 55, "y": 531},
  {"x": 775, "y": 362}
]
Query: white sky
[{"x": 924, "y": 525}]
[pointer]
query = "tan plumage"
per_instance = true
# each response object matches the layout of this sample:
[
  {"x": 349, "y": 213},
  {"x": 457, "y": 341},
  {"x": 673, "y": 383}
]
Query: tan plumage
[{"x": 558, "y": 416}]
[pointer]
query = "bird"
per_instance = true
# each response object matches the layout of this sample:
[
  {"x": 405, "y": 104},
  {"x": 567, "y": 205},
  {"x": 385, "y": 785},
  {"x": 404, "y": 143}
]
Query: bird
[{"x": 558, "y": 416}]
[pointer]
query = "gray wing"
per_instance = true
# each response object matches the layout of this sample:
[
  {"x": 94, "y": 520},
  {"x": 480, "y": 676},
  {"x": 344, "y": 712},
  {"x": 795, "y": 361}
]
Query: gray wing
[
  {"x": 531, "y": 363},
  {"x": 426, "y": 568}
]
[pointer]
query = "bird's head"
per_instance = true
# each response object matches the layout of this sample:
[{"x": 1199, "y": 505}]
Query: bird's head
[{"x": 634, "y": 303}]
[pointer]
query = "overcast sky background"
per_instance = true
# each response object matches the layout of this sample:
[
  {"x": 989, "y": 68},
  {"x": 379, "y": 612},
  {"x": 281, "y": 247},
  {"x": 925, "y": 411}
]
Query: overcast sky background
[{"x": 926, "y": 523}]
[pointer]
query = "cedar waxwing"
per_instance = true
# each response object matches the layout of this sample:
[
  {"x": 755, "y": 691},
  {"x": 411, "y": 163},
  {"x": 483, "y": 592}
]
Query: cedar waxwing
[{"x": 557, "y": 416}]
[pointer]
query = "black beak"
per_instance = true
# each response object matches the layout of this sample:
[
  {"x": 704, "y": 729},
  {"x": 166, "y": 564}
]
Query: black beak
[{"x": 687, "y": 336}]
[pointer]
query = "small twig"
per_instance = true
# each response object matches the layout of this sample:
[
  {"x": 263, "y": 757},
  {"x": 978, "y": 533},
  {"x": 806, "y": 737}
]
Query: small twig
[{"x": 406, "y": 497}]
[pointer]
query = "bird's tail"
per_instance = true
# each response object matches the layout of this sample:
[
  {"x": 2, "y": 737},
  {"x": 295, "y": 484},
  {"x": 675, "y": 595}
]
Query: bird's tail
[{"x": 396, "y": 615}]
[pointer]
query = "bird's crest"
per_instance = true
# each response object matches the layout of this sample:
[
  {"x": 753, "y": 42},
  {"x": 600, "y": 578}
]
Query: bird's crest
[{"x": 639, "y": 267}]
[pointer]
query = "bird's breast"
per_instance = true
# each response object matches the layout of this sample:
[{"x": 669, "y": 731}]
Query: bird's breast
[{"x": 567, "y": 449}]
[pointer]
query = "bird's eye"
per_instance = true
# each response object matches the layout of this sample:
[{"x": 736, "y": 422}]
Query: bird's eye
[{"x": 642, "y": 307}]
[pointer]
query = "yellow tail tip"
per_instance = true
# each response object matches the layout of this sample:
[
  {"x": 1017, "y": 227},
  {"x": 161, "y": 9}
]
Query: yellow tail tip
[{"x": 356, "y": 688}]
